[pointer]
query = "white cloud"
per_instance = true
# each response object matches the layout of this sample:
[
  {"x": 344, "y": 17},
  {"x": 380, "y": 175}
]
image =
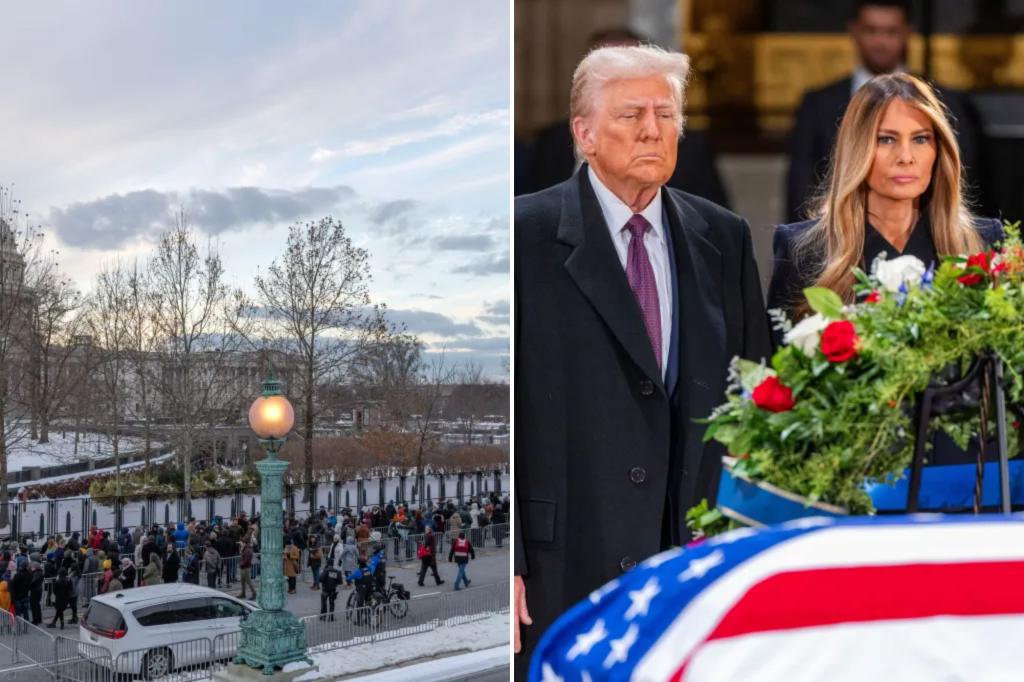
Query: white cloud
[
  {"x": 449, "y": 128},
  {"x": 321, "y": 154}
]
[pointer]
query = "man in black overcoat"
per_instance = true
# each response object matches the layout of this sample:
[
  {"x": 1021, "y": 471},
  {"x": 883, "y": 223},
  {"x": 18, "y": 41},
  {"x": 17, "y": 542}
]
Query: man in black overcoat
[{"x": 631, "y": 298}]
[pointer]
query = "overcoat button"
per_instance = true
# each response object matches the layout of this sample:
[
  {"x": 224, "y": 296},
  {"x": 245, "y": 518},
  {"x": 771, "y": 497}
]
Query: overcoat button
[
  {"x": 638, "y": 474},
  {"x": 646, "y": 387},
  {"x": 627, "y": 564}
]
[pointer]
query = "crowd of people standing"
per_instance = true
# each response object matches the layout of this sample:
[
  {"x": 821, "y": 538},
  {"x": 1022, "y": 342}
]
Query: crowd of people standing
[{"x": 333, "y": 546}]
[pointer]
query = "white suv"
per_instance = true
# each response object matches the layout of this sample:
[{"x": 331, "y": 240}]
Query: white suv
[{"x": 150, "y": 631}]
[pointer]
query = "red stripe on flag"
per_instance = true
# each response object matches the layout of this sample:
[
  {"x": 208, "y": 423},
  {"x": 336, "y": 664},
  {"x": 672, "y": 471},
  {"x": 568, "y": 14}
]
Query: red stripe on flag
[{"x": 857, "y": 594}]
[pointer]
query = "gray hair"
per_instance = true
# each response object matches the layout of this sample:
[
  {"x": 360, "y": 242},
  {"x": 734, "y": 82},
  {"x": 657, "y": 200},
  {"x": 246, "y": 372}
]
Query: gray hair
[{"x": 607, "y": 64}]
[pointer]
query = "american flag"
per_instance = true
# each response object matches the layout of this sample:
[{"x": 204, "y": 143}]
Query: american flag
[{"x": 898, "y": 598}]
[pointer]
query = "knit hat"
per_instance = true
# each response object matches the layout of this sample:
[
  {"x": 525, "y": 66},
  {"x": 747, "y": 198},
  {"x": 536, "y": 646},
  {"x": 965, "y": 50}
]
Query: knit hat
[{"x": 106, "y": 564}]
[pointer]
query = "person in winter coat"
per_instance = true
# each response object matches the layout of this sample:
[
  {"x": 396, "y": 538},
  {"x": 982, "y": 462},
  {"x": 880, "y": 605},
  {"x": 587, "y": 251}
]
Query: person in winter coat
[
  {"x": 329, "y": 592},
  {"x": 171, "y": 565},
  {"x": 454, "y": 523},
  {"x": 314, "y": 560},
  {"x": 128, "y": 572},
  {"x": 245, "y": 568},
  {"x": 92, "y": 562},
  {"x": 35, "y": 593},
  {"x": 292, "y": 557},
  {"x": 428, "y": 558},
  {"x": 362, "y": 539},
  {"x": 21, "y": 587},
  {"x": 115, "y": 581},
  {"x": 228, "y": 548},
  {"x": 462, "y": 551},
  {"x": 211, "y": 559},
  {"x": 6, "y": 604},
  {"x": 95, "y": 537},
  {"x": 332, "y": 556},
  {"x": 181, "y": 536},
  {"x": 104, "y": 581},
  {"x": 151, "y": 574},
  {"x": 63, "y": 591},
  {"x": 148, "y": 549}
]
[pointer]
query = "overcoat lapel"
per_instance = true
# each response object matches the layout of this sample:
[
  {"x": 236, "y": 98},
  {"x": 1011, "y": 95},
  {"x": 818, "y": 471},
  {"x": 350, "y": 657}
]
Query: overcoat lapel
[
  {"x": 699, "y": 271},
  {"x": 596, "y": 269}
]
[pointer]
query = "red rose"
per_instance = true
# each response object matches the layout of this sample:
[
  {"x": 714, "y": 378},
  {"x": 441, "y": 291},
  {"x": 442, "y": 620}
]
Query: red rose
[
  {"x": 839, "y": 341},
  {"x": 981, "y": 261},
  {"x": 874, "y": 297},
  {"x": 773, "y": 395}
]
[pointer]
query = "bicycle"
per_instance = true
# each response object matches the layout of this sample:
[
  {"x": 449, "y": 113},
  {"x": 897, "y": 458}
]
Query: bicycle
[{"x": 394, "y": 596}]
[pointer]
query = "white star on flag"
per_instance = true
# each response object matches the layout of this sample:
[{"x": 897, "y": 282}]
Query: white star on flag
[
  {"x": 586, "y": 641},
  {"x": 621, "y": 647},
  {"x": 807, "y": 522},
  {"x": 699, "y": 567},
  {"x": 642, "y": 598},
  {"x": 732, "y": 536},
  {"x": 659, "y": 559},
  {"x": 597, "y": 595},
  {"x": 548, "y": 674},
  {"x": 585, "y": 677}
]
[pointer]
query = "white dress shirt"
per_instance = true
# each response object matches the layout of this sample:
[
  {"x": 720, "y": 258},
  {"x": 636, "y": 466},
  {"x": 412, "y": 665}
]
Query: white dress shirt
[{"x": 616, "y": 215}]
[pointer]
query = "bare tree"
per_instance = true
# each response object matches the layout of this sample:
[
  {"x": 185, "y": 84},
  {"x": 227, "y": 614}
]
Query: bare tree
[
  {"x": 315, "y": 299},
  {"x": 22, "y": 266},
  {"x": 142, "y": 342},
  {"x": 390, "y": 359},
  {"x": 56, "y": 324},
  {"x": 200, "y": 323},
  {"x": 109, "y": 325}
]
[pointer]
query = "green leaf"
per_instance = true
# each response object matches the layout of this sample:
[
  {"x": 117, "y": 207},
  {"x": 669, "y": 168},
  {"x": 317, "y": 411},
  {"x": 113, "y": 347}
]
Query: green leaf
[{"x": 825, "y": 302}]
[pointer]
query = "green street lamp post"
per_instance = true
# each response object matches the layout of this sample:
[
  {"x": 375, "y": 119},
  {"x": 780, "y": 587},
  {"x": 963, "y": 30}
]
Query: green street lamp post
[{"x": 271, "y": 637}]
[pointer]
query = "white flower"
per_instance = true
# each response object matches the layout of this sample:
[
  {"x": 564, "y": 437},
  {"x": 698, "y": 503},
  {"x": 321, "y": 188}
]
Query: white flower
[
  {"x": 806, "y": 333},
  {"x": 903, "y": 270}
]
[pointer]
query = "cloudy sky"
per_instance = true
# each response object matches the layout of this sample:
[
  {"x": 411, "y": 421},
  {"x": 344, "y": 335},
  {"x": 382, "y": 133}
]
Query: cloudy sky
[{"x": 392, "y": 116}]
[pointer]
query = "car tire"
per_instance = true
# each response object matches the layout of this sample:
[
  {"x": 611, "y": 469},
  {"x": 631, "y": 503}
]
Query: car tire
[{"x": 157, "y": 663}]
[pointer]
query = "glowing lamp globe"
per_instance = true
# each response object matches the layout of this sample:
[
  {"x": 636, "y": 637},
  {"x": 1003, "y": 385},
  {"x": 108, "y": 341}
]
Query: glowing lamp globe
[{"x": 271, "y": 416}]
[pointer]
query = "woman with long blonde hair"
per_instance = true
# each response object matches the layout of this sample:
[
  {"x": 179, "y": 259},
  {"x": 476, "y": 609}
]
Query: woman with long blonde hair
[{"x": 894, "y": 187}]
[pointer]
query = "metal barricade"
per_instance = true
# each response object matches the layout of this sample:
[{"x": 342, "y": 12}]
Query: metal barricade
[
  {"x": 8, "y": 638},
  {"x": 188, "y": 660},
  {"x": 474, "y": 603},
  {"x": 79, "y": 661},
  {"x": 34, "y": 644},
  {"x": 360, "y": 625},
  {"x": 86, "y": 587}
]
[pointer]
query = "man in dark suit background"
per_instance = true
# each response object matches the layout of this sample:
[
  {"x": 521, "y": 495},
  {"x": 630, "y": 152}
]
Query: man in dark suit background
[
  {"x": 631, "y": 299},
  {"x": 880, "y": 30},
  {"x": 552, "y": 160}
]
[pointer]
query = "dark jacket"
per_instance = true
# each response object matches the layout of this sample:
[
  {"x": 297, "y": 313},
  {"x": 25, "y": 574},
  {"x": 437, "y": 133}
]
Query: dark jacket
[
  {"x": 171, "y": 564},
  {"x": 791, "y": 275},
  {"x": 62, "y": 589},
  {"x": 817, "y": 122},
  {"x": 598, "y": 428},
  {"x": 21, "y": 584}
]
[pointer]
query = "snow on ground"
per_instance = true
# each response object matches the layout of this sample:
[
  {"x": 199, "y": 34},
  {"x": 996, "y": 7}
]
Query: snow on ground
[
  {"x": 93, "y": 472},
  {"x": 61, "y": 449},
  {"x": 450, "y": 651},
  {"x": 461, "y": 666},
  {"x": 486, "y": 633}
]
